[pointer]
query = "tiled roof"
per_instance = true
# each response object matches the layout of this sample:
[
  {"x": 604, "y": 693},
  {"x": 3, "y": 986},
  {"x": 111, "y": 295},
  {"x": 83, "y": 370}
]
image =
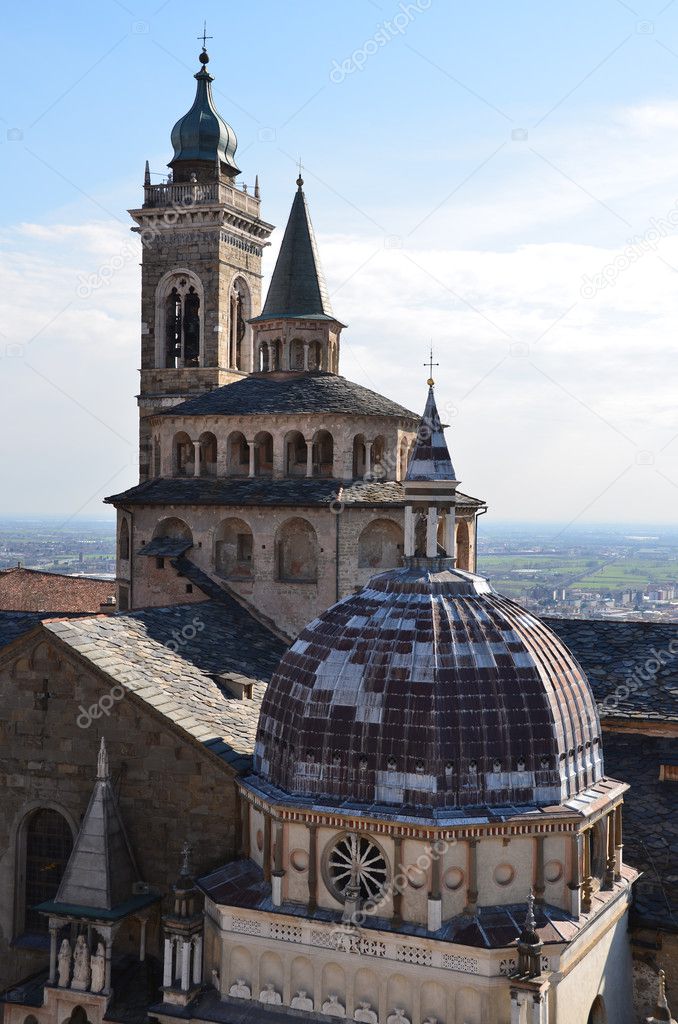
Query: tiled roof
[
  {"x": 641, "y": 658},
  {"x": 168, "y": 657},
  {"x": 427, "y": 689},
  {"x": 650, "y": 821},
  {"x": 30, "y": 590},
  {"x": 295, "y": 393},
  {"x": 240, "y": 884},
  {"x": 230, "y": 491},
  {"x": 15, "y": 624},
  {"x": 297, "y": 287}
]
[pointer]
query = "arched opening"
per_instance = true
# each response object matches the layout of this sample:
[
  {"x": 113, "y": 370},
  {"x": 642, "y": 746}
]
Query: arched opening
[
  {"x": 263, "y": 454},
  {"x": 598, "y": 1013},
  {"x": 323, "y": 453},
  {"x": 380, "y": 545},
  {"x": 296, "y": 354},
  {"x": 174, "y": 528},
  {"x": 78, "y": 1016},
  {"x": 297, "y": 551},
  {"x": 378, "y": 458},
  {"x": 182, "y": 321},
  {"x": 295, "y": 454},
  {"x": 274, "y": 349},
  {"x": 123, "y": 540},
  {"x": 463, "y": 545},
  {"x": 238, "y": 455},
  {"x": 233, "y": 549},
  {"x": 184, "y": 455},
  {"x": 358, "y": 456},
  {"x": 240, "y": 312},
  {"x": 263, "y": 361},
  {"x": 208, "y": 454},
  {"x": 315, "y": 355},
  {"x": 49, "y": 842}
]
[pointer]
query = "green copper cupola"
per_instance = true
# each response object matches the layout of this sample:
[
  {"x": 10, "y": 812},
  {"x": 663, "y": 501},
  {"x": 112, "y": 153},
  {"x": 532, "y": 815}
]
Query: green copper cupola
[{"x": 202, "y": 140}]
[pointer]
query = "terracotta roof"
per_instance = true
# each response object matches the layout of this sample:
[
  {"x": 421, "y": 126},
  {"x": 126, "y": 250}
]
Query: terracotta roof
[
  {"x": 31, "y": 590},
  {"x": 295, "y": 393},
  {"x": 427, "y": 689},
  {"x": 262, "y": 491}
]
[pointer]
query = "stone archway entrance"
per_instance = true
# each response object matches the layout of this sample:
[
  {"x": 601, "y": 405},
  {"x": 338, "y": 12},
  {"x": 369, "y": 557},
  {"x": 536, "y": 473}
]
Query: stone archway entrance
[{"x": 597, "y": 1014}]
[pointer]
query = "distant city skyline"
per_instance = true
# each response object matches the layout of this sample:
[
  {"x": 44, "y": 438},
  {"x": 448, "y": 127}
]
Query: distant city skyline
[{"x": 502, "y": 180}]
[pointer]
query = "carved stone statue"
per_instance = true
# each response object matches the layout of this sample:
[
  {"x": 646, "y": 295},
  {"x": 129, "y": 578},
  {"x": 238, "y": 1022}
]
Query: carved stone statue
[
  {"x": 332, "y": 1007},
  {"x": 366, "y": 1014},
  {"x": 302, "y": 1002},
  {"x": 398, "y": 1017},
  {"x": 64, "y": 964},
  {"x": 240, "y": 989},
  {"x": 80, "y": 965},
  {"x": 269, "y": 995},
  {"x": 98, "y": 966}
]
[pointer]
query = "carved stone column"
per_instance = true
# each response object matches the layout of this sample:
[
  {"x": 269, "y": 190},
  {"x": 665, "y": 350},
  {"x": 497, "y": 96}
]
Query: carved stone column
[
  {"x": 53, "y": 934},
  {"x": 196, "y": 463},
  {"x": 574, "y": 884},
  {"x": 435, "y": 903},
  {"x": 610, "y": 850},
  {"x": 252, "y": 447},
  {"x": 587, "y": 882},
  {"x": 266, "y": 852},
  {"x": 618, "y": 842},
  {"x": 397, "y": 892},
  {"x": 278, "y": 871},
  {"x": 309, "y": 457}
]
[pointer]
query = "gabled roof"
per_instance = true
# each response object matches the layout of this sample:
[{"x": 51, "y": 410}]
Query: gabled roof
[
  {"x": 430, "y": 457},
  {"x": 298, "y": 288},
  {"x": 101, "y": 871},
  {"x": 294, "y": 393}
]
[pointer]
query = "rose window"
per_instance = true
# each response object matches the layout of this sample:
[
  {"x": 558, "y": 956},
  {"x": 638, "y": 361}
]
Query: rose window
[{"x": 358, "y": 859}]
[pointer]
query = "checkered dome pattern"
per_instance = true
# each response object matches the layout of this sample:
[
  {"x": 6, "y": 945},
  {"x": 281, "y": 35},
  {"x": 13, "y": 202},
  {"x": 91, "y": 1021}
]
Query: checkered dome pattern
[{"x": 426, "y": 689}]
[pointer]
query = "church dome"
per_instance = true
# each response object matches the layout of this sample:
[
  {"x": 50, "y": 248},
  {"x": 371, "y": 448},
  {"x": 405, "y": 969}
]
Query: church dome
[
  {"x": 427, "y": 689},
  {"x": 202, "y": 134}
]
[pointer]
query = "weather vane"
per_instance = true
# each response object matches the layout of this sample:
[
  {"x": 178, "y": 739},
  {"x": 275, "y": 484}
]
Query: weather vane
[
  {"x": 204, "y": 35},
  {"x": 430, "y": 365}
]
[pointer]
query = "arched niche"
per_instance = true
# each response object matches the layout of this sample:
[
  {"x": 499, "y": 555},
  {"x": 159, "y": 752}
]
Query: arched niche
[
  {"x": 233, "y": 549},
  {"x": 297, "y": 551},
  {"x": 380, "y": 545}
]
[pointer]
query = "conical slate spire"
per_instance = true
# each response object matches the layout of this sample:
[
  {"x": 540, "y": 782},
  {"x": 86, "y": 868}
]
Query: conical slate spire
[
  {"x": 430, "y": 458},
  {"x": 202, "y": 134},
  {"x": 101, "y": 871},
  {"x": 298, "y": 288}
]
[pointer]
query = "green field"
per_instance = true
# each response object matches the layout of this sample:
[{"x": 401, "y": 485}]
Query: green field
[{"x": 521, "y": 573}]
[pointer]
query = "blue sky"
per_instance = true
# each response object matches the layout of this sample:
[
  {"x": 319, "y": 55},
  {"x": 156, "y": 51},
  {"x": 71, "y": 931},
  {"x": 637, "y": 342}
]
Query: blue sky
[{"x": 469, "y": 166}]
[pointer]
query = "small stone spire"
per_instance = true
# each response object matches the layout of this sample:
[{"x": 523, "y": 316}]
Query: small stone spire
[
  {"x": 529, "y": 944},
  {"x": 147, "y": 174},
  {"x": 185, "y": 869},
  {"x": 257, "y": 194},
  {"x": 662, "y": 1013},
  {"x": 103, "y": 772}
]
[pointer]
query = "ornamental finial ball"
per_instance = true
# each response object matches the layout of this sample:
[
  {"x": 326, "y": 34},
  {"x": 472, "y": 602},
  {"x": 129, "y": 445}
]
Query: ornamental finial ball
[
  {"x": 430, "y": 382},
  {"x": 204, "y": 57},
  {"x": 300, "y": 181}
]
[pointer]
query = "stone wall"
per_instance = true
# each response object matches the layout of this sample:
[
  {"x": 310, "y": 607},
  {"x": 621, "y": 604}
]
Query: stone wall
[{"x": 169, "y": 788}]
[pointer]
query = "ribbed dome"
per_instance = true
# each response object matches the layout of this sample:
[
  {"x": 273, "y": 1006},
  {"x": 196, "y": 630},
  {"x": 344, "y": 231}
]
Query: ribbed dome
[
  {"x": 202, "y": 134},
  {"x": 428, "y": 689}
]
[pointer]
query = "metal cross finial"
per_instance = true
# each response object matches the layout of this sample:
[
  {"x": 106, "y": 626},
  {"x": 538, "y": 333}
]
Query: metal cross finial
[
  {"x": 300, "y": 180},
  {"x": 204, "y": 35},
  {"x": 430, "y": 365}
]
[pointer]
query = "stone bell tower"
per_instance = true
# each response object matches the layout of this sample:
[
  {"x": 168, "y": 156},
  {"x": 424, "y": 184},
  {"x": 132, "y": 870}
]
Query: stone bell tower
[{"x": 202, "y": 242}]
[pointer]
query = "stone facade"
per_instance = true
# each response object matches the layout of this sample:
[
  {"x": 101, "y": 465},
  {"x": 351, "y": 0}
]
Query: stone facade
[{"x": 47, "y": 759}]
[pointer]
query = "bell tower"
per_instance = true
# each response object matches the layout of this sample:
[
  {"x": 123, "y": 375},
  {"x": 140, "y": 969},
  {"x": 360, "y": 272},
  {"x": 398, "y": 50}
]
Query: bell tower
[{"x": 202, "y": 241}]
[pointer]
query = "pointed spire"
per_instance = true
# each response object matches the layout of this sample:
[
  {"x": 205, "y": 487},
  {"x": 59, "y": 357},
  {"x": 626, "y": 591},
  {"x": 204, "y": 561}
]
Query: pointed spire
[
  {"x": 102, "y": 762},
  {"x": 430, "y": 458},
  {"x": 147, "y": 174},
  {"x": 662, "y": 1013},
  {"x": 257, "y": 193},
  {"x": 298, "y": 286},
  {"x": 101, "y": 871}
]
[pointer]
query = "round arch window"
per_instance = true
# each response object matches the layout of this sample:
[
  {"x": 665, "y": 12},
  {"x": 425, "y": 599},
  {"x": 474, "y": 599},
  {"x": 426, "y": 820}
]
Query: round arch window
[{"x": 356, "y": 857}]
